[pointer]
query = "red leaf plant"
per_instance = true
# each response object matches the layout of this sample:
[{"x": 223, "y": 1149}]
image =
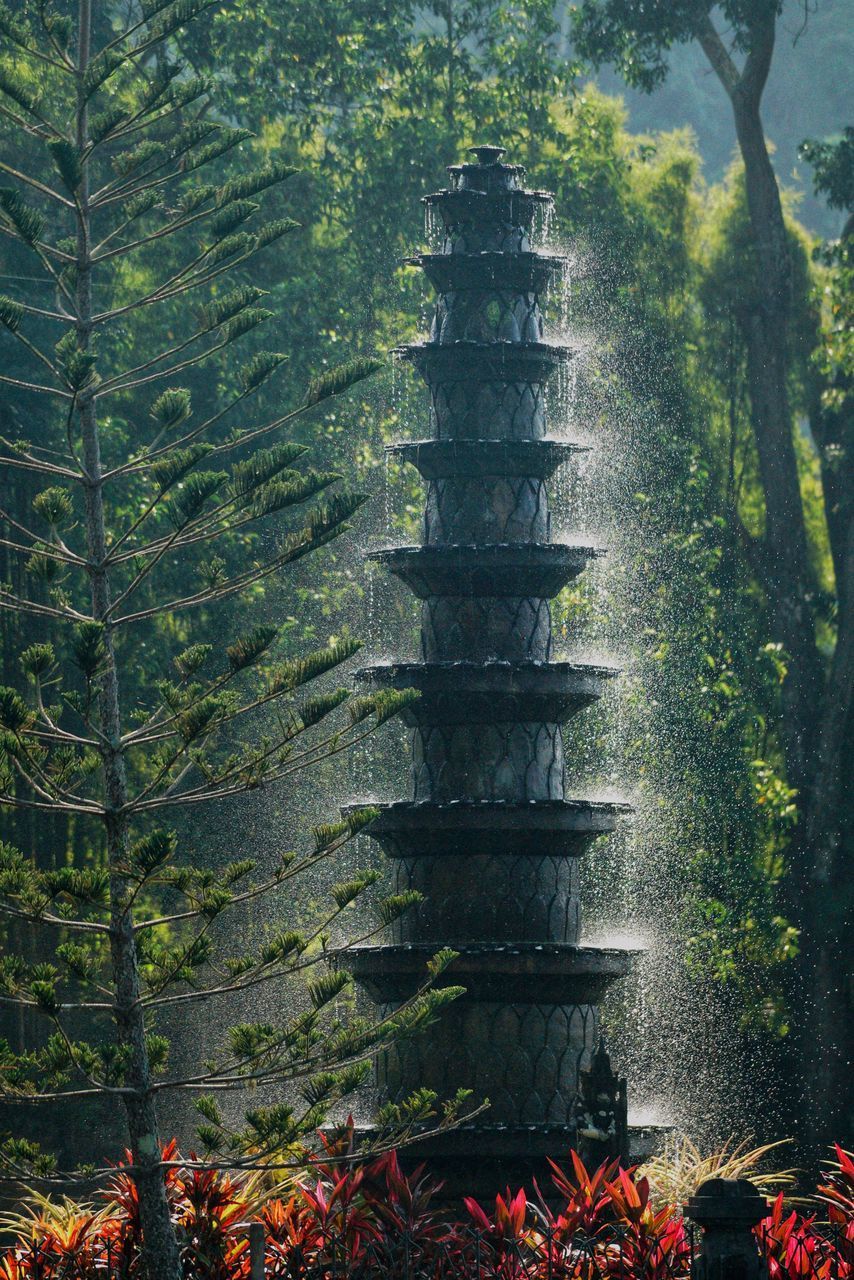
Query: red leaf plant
[
  {"x": 502, "y": 1244},
  {"x": 371, "y": 1220}
]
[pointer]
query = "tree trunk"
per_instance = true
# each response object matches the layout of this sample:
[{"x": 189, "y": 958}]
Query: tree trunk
[
  {"x": 160, "y": 1258},
  {"x": 816, "y": 713},
  {"x": 785, "y": 562}
]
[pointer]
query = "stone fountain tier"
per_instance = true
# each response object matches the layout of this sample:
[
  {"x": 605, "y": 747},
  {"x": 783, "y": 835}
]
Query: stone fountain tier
[
  {"x": 479, "y": 459},
  {"x": 490, "y": 270},
  {"x": 496, "y": 361},
  {"x": 533, "y": 828},
  {"x": 518, "y": 569},
  {"x": 512, "y": 973},
  {"x": 492, "y": 692}
]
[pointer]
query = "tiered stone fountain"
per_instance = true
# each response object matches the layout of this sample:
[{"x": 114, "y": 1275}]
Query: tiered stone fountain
[{"x": 491, "y": 837}]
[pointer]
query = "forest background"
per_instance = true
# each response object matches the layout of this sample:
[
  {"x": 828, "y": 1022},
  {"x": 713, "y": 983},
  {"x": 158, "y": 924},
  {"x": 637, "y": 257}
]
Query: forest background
[{"x": 370, "y": 101}]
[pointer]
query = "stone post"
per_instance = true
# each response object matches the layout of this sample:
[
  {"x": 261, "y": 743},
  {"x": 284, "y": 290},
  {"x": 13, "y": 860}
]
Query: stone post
[{"x": 728, "y": 1209}]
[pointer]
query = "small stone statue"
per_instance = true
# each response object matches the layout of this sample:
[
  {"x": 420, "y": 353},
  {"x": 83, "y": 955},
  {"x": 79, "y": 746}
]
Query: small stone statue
[{"x": 601, "y": 1112}]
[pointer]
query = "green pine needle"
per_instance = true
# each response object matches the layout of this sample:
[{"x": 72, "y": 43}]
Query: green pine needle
[
  {"x": 192, "y": 659},
  {"x": 27, "y": 222},
  {"x": 279, "y": 494},
  {"x": 229, "y": 305},
  {"x": 227, "y": 140},
  {"x": 239, "y": 243},
  {"x": 313, "y": 710},
  {"x": 105, "y": 122},
  {"x": 67, "y": 160},
  {"x": 334, "y": 381},
  {"x": 37, "y": 661},
  {"x": 274, "y": 231},
  {"x": 54, "y": 506},
  {"x": 153, "y": 850},
  {"x": 141, "y": 203},
  {"x": 173, "y": 466},
  {"x": 248, "y": 649},
  {"x": 397, "y": 904},
  {"x": 298, "y": 671},
  {"x": 229, "y": 219},
  {"x": 178, "y": 14},
  {"x": 11, "y": 313},
  {"x": 349, "y": 890},
  {"x": 187, "y": 503},
  {"x": 172, "y": 407},
  {"x": 15, "y": 715},
  {"x": 15, "y": 88},
  {"x": 245, "y": 323},
  {"x": 327, "y": 987},
  {"x": 259, "y": 369},
  {"x": 264, "y": 465},
  {"x": 99, "y": 70},
  {"x": 88, "y": 647},
  {"x": 250, "y": 184}
]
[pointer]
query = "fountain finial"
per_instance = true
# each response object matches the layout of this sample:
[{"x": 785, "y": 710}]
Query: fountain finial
[{"x": 487, "y": 155}]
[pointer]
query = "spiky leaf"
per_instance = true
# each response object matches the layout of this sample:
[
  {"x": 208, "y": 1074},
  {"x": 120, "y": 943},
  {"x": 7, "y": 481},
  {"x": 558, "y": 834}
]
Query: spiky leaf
[
  {"x": 189, "y": 662},
  {"x": 226, "y": 141},
  {"x": 28, "y": 223},
  {"x": 248, "y": 649},
  {"x": 279, "y": 494},
  {"x": 17, "y": 89},
  {"x": 341, "y": 378},
  {"x": 173, "y": 466},
  {"x": 263, "y": 466},
  {"x": 77, "y": 365},
  {"x": 219, "y": 310},
  {"x": 99, "y": 70},
  {"x": 38, "y": 660},
  {"x": 250, "y": 184},
  {"x": 195, "y": 491},
  {"x": 66, "y": 157},
  {"x": 313, "y": 710},
  {"x": 11, "y": 313},
  {"x": 348, "y": 891},
  {"x": 396, "y": 904},
  {"x": 141, "y": 203},
  {"x": 299, "y": 671},
  {"x": 327, "y": 987},
  {"x": 273, "y": 231},
  {"x": 153, "y": 850},
  {"x": 172, "y": 407},
  {"x": 233, "y": 216},
  {"x": 15, "y": 715},
  {"x": 259, "y": 368},
  {"x": 54, "y": 506},
  {"x": 88, "y": 647}
]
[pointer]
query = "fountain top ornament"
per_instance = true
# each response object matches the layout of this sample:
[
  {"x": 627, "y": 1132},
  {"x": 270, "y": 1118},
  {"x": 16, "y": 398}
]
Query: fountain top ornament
[{"x": 490, "y": 836}]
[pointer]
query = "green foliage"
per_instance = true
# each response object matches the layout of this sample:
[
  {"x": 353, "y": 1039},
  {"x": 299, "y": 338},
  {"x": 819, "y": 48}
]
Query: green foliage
[
  {"x": 156, "y": 505},
  {"x": 171, "y": 408},
  {"x": 54, "y": 506},
  {"x": 335, "y": 381},
  {"x": 17, "y": 214}
]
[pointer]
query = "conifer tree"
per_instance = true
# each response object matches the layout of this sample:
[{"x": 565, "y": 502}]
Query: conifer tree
[{"x": 124, "y": 211}]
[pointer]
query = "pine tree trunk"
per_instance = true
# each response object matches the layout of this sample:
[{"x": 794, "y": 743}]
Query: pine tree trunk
[{"x": 159, "y": 1246}]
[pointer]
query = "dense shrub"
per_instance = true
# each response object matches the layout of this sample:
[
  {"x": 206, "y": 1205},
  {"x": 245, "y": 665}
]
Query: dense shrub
[{"x": 372, "y": 1219}]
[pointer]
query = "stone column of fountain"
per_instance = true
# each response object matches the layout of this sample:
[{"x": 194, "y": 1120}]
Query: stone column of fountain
[{"x": 490, "y": 836}]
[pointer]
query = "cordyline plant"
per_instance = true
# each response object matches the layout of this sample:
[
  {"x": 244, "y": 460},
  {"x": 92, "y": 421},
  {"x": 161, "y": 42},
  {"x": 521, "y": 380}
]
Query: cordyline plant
[
  {"x": 123, "y": 211},
  {"x": 375, "y": 1221}
]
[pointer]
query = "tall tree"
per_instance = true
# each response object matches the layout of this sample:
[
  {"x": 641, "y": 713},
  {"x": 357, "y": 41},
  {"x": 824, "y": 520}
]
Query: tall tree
[
  {"x": 117, "y": 222},
  {"x": 738, "y": 39}
]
